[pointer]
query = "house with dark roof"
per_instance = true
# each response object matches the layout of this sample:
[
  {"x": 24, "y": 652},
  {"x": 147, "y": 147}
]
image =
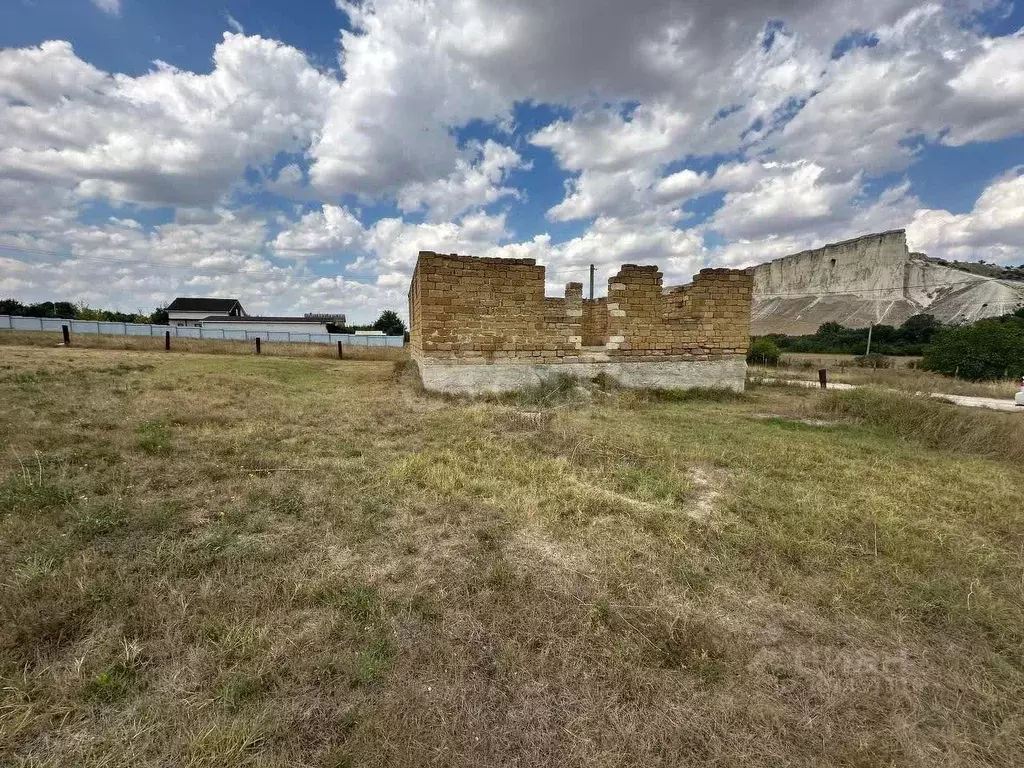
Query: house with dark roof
[{"x": 194, "y": 310}]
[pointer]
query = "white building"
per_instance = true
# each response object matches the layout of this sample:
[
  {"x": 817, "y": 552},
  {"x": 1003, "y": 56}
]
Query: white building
[
  {"x": 185, "y": 311},
  {"x": 276, "y": 324}
]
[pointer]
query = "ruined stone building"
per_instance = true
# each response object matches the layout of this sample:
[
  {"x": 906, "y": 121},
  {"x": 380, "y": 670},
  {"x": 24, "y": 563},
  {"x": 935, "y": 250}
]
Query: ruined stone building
[{"x": 485, "y": 325}]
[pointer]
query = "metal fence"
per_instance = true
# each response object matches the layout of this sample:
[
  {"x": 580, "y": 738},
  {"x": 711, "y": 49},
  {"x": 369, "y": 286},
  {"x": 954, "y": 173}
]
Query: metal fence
[{"x": 14, "y": 323}]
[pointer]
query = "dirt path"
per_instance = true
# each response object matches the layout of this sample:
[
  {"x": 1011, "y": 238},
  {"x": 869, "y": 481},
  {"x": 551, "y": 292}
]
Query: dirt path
[{"x": 991, "y": 403}]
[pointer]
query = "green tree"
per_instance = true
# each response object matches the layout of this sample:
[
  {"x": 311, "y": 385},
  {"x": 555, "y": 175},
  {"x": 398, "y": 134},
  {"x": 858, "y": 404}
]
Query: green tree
[
  {"x": 85, "y": 312},
  {"x": 763, "y": 352},
  {"x": 390, "y": 323},
  {"x": 59, "y": 309},
  {"x": 987, "y": 349},
  {"x": 11, "y": 307},
  {"x": 919, "y": 329},
  {"x": 159, "y": 316}
]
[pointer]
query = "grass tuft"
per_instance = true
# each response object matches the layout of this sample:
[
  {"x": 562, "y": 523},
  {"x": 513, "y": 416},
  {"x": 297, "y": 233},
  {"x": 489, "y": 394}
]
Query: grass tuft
[
  {"x": 111, "y": 684},
  {"x": 373, "y": 660},
  {"x": 26, "y": 492},
  {"x": 931, "y": 423},
  {"x": 155, "y": 438}
]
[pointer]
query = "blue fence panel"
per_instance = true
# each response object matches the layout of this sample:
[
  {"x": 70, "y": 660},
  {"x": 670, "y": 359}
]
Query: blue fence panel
[
  {"x": 85, "y": 326},
  {"x": 27, "y": 324},
  {"x": 351, "y": 339},
  {"x": 13, "y": 322}
]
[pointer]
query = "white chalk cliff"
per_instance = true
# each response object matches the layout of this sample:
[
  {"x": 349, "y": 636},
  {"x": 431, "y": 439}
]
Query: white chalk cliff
[{"x": 871, "y": 279}]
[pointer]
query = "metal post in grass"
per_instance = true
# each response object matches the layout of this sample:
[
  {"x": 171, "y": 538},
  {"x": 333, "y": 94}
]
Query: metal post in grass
[
  {"x": 823, "y": 378},
  {"x": 167, "y": 341},
  {"x": 67, "y": 335},
  {"x": 341, "y": 355},
  {"x": 257, "y": 345}
]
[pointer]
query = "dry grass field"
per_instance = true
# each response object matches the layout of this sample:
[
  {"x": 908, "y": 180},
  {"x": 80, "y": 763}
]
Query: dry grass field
[
  {"x": 900, "y": 376},
  {"x": 214, "y": 560}
]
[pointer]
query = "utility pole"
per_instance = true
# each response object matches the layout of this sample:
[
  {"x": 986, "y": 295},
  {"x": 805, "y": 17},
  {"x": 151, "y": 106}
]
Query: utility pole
[
  {"x": 591, "y": 281},
  {"x": 870, "y": 327}
]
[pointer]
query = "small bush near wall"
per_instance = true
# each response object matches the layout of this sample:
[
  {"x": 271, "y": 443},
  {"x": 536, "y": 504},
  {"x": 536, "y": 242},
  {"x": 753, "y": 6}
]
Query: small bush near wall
[{"x": 763, "y": 352}]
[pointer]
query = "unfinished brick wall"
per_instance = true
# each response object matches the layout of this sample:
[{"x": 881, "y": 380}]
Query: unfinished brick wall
[
  {"x": 595, "y": 322},
  {"x": 471, "y": 310},
  {"x": 705, "y": 320},
  {"x": 468, "y": 309}
]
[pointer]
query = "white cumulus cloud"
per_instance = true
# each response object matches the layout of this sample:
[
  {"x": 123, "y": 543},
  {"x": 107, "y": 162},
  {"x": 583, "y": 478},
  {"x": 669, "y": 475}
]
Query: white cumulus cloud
[
  {"x": 113, "y": 7},
  {"x": 788, "y": 111},
  {"x": 993, "y": 230},
  {"x": 166, "y": 137}
]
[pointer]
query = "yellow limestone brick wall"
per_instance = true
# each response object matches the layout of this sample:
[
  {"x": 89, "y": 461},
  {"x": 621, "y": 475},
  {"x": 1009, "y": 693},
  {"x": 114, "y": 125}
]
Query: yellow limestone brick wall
[
  {"x": 595, "y": 322},
  {"x": 466, "y": 309},
  {"x": 469, "y": 310},
  {"x": 705, "y": 320}
]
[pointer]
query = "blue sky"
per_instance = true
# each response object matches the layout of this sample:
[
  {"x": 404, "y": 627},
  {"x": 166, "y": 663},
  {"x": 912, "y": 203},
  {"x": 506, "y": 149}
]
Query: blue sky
[{"x": 299, "y": 155}]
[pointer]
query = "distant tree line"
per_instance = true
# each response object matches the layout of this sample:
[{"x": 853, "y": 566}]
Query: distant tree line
[
  {"x": 835, "y": 339},
  {"x": 992, "y": 348},
  {"x": 68, "y": 311}
]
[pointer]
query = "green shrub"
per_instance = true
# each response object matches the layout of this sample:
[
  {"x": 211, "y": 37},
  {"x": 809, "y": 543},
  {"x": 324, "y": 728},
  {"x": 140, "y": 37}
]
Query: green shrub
[
  {"x": 764, "y": 352},
  {"x": 988, "y": 349},
  {"x": 874, "y": 360},
  {"x": 833, "y": 338}
]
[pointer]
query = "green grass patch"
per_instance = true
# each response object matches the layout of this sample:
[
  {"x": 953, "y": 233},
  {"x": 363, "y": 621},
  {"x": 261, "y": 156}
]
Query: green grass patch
[
  {"x": 373, "y": 660},
  {"x": 111, "y": 684},
  {"x": 155, "y": 438},
  {"x": 29, "y": 492}
]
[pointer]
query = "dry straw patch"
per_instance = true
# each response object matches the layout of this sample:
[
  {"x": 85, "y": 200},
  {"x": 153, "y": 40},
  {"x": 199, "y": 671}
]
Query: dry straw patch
[
  {"x": 241, "y": 561},
  {"x": 900, "y": 376}
]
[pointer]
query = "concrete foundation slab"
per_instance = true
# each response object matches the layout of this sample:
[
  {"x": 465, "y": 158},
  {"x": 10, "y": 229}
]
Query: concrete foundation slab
[{"x": 481, "y": 378}]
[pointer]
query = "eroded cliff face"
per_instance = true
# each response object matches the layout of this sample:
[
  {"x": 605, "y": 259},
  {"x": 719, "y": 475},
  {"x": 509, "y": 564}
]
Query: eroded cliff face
[{"x": 870, "y": 279}]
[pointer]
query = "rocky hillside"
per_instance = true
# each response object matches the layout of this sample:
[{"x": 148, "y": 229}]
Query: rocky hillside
[{"x": 873, "y": 279}]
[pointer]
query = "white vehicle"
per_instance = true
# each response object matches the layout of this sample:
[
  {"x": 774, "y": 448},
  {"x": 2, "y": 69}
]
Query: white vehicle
[{"x": 1019, "y": 397}]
